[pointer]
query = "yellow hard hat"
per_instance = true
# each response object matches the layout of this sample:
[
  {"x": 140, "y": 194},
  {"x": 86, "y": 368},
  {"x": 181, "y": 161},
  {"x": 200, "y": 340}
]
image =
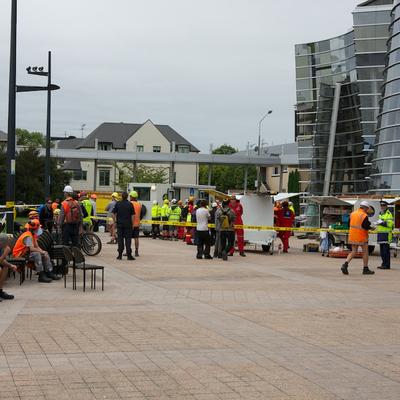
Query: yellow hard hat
[
  {"x": 166, "y": 201},
  {"x": 115, "y": 194},
  {"x": 57, "y": 211},
  {"x": 133, "y": 194}
]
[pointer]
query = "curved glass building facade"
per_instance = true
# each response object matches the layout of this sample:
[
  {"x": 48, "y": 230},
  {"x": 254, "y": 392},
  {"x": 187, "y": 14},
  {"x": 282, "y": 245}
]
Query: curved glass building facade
[
  {"x": 336, "y": 140},
  {"x": 385, "y": 174}
]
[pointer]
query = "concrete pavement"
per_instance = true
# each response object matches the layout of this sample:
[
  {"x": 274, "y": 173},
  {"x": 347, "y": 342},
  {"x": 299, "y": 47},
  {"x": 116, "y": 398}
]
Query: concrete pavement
[{"x": 169, "y": 326}]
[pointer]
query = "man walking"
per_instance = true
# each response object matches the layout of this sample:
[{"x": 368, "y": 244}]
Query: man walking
[
  {"x": 70, "y": 219},
  {"x": 358, "y": 236},
  {"x": 124, "y": 216},
  {"x": 225, "y": 224},
  {"x": 385, "y": 227},
  {"x": 203, "y": 235}
]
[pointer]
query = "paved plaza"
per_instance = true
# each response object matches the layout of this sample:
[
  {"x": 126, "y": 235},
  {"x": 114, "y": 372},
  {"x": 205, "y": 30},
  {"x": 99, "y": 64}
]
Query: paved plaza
[{"x": 169, "y": 326}]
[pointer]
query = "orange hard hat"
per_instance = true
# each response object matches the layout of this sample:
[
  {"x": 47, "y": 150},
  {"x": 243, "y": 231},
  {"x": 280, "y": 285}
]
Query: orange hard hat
[
  {"x": 33, "y": 214},
  {"x": 93, "y": 196},
  {"x": 33, "y": 224}
]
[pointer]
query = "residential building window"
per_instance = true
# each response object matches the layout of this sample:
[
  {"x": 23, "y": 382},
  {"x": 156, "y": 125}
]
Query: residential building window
[
  {"x": 105, "y": 146},
  {"x": 79, "y": 175},
  {"x": 104, "y": 177},
  {"x": 156, "y": 149},
  {"x": 183, "y": 149},
  {"x": 275, "y": 171},
  {"x": 140, "y": 148},
  {"x": 285, "y": 168}
]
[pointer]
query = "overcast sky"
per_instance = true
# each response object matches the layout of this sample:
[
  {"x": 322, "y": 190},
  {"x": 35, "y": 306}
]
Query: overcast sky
[{"x": 208, "y": 68}]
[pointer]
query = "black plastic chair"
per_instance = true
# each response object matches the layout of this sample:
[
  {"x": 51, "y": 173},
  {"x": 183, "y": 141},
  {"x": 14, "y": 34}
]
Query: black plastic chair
[{"x": 80, "y": 263}]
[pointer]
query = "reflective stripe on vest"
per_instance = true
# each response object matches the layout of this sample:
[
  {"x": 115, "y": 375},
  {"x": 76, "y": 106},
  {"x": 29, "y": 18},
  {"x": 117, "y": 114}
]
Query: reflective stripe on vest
[
  {"x": 88, "y": 207},
  {"x": 20, "y": 249},
  {"x": 357, "y": 233},
  {"x": 155, "y": 211},
  {"x": 175, "y": 214}
]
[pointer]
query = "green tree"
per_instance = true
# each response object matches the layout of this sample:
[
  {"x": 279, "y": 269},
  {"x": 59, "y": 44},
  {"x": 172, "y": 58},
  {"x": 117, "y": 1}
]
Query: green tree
[
  {"x": 142, "y": 173},
  {"x": 29, "y": 176},
  {"x": 227, "y": 177},
  {"x": 26, "y": 138},
  {"x": 294, "y": 187}
]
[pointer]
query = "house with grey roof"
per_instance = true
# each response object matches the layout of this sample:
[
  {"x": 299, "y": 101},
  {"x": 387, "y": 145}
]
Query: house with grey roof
[
  {"x": 126, "y": 137},
  {"x": 3, "y": 137}
]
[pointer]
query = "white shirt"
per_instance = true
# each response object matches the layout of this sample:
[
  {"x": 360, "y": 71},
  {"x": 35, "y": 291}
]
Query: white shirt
[{"x": 202, "y": 216}]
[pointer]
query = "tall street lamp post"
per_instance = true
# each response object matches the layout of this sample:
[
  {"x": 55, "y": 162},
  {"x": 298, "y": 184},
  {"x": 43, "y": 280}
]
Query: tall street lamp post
[
  {"x": 12, "y": 91},
  {"x": 259, "y": 148},
  {"x": 40, "y": 71},
  {"x": 10, "y": 164}
]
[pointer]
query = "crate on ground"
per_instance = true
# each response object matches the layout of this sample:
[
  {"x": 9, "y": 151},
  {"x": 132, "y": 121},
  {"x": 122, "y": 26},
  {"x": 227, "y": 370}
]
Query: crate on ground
[{"x": 311, "y": 248}]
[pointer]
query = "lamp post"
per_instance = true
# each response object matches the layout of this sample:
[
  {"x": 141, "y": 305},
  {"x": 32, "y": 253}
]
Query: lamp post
[
  {"x": 259, "y": 148},
  {"x": 40, "y": 72},
  {"x": 10, "y": 164}
]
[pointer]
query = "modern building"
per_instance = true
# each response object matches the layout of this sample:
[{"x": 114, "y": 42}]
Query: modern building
[
  {"x": 385, "y": 174},
  {"x": 338, "y": 83},
  {"x": 123, "y": 137}
]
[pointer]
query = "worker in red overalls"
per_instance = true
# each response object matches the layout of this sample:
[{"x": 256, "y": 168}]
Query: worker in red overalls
[
  {"x": 237, "y": 208},
  {"x": 284, "y": 219}
]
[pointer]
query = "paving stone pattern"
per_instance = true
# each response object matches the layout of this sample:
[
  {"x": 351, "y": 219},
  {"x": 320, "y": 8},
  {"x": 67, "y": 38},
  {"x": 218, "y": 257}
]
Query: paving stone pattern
[{"x": 169, "y": 326}]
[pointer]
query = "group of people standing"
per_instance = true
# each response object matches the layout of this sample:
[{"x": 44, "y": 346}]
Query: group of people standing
[{"x": 224, "y": 215}]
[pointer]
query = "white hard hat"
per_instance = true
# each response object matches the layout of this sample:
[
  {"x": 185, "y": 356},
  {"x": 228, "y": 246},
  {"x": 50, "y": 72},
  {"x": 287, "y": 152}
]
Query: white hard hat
[
  {"x": 173, "y": 201},
  {"x": 214, "y": 204},
  {"x": 68, "y": 189},
  {"x": 365, "y": 204},
  {"x": 155, "y": 202}
]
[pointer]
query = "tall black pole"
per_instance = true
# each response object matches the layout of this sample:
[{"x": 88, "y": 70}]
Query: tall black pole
[
  {"x": 12, "y": 91},
  {"x": 47, "y": 173}
]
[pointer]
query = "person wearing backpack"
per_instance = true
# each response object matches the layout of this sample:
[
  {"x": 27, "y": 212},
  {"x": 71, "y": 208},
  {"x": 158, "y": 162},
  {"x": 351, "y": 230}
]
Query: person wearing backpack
[
  {"x": 70, "y": 219},
  {"x": 225, "y": 226}
]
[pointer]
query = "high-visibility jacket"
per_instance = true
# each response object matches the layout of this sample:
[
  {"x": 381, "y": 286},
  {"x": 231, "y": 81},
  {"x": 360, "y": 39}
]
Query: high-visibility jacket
[
  {"x": 138, "y": 209},
  {"x": 20, "y": 249},
  {"x": 175, "y": 214},
  {"x": 165, "y": 210},
  {"x": 89, "y": 208},
  {"x": 155, "y": 211},
  {"x": 357, "y": 234},
  {"x": 387, "y": 228},
  {"x": 189, "y": 214}
]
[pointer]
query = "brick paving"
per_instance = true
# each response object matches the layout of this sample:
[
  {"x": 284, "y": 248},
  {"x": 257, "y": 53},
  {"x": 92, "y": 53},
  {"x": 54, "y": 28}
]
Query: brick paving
[{"x": 169, "y": 326}]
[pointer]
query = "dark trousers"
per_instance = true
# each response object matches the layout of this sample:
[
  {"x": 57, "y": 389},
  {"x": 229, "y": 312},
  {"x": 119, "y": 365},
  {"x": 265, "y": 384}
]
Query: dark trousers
[
  {"x": 124, "y": 238},
  {"x": 385, "y": 254},
  {"x": 155, "y": 228},
  {"x": 203, "y": 243},
  {"x": 227, "y": 241},
  {"x": 70, "y": 235}
]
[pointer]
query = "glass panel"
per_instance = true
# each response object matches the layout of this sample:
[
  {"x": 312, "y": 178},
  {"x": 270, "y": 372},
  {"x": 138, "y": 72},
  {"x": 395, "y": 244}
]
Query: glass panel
[
  {"x": 391, "y": 118},
  {"x": 371, "y": 31},
  {"x": 373, "y": 17},
  {"x": 369, "y": 101},
  {"x": 371, "y": 45},
  {"x": 392, "y": 87},
  {"x": 370, "y": 73}
]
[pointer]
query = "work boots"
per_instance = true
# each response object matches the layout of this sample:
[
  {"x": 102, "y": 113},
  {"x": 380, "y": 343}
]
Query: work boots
[
  {"x": 43, "y": 277},
  {"x": 345, "y": 267},
  {"x": 53, "y": 276},
  {"x": 367, "y": 271}
]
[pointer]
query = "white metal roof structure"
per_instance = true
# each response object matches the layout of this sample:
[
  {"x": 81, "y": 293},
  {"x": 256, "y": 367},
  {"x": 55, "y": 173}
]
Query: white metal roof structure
[{"x": 181, "y": 158}]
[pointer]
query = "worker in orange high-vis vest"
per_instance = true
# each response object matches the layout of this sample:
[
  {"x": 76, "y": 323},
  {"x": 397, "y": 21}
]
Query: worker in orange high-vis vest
[
  {"x": 26, "y": 246},
  {"x": 358, "y": 237},
  {"x": 137, "y": 207}
]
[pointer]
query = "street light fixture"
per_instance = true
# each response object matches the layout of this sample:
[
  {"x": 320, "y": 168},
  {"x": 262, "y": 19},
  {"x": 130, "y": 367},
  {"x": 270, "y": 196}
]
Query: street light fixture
[
  {"x": 40, "y": 72},
  {"x": 259, "y": 148}
]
